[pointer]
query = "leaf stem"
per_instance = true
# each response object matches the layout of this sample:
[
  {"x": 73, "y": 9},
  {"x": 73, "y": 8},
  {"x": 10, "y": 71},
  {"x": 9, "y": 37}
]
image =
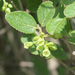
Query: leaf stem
[
  {"x": 46, "y": 35},
  {"x": 39, "y": 28}
]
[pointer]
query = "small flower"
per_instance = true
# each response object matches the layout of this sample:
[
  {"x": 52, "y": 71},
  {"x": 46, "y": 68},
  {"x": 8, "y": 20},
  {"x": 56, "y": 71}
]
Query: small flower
[
  {"x": 39, "y": 47},
  {"x": 34, "y": 42},
  {"x": 41, "y": 41},
  {"x": 45, "y": 46},
  {"x": 49, "y": 57},
  {"x": 10, "y": 6},
  {"x": 50, "y": 44},
  {"x": 53, "y": 48},
  {"x": 46, "y": 53},
  {"x": 7, "y": 10},
  {"x": 42, "y": 34},
  {"x": 28, "y": 44},
  {"x": 6, "y": 3},
  {"x": 36, "y": 38},
  {"x": 3, "y": 8}
]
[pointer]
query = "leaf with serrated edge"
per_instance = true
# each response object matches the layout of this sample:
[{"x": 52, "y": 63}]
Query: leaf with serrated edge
[
  {"x": 55, "y": 25},
  {"x": 69, "y": 11},
  {"x": 45, "y": 12},
  {"x": 67, "y": 2},
  {"x": 22, "y": 21}
]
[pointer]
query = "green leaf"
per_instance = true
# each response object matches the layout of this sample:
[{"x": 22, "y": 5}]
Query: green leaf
[
  {"x": 33, "y": 5},
  {"x": 22, "y": 21},
  {"x": 29, "y": 38},
  {"x": 63, "y": 32},
  {"x": 40, "y": 65},
  {"x": 33, "y": 50},
  {"x": 55, "y": 25},
  {"x": 54, "y": 2},
  {"x": 67, "y": 2},
  {"x": 59, "y": 53},
  {"x": 69, "y": 11},
  {"x": 45, "y": 12},
  {"x": 71, "y": 40},
  {"x": 73, "y": 33},
  {"x": 59, "y": 11},
  {"x": 67, "y": 28}
]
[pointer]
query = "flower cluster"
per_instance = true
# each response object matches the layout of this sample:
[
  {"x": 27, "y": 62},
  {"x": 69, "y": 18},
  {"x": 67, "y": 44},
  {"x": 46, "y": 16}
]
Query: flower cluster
[
  {"x": 6, "y": 7},
  {"x": 43, "y": 46}
]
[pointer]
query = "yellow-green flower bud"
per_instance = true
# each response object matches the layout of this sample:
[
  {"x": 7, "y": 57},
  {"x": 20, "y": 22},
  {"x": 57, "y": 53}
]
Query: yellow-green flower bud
[
  {"x": 38, "y": 47},
  {"x": 10, "y": 6},
  {"x": 58, "y": 35},
  {"x": 6, "y": 3},
  {"x": 49, "y": 57},
  {"x": 36, "y": 38},
  {"x": 45, "y": 47},
  {"x": 53, "y": 48},
  {"x": 42, "y": 34},
  {"x": 7, "y": 10},
  {"x": 3, "y": 8},
  {"x": 50, "y": 44},
  {"x": 28, "y": 44},
  {"x": 41, "y": 41},
  {"x": 46, "y": 53},
  {"x": 34, "y": 42}
]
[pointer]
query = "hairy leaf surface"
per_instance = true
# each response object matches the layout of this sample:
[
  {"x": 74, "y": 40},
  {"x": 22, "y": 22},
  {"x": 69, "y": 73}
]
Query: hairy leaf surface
[
  {"x": 55, "y": 25},
  {"x": 22, "y": 21},
  {"x": 45, "y": 12},
  {"x": 69, "y": 11}
]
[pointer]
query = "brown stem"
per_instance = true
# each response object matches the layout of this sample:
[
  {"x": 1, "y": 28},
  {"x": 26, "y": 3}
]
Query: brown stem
[
  {"x": 39, "y": 28},
  {"x": 20, "y": 4},
  {"x": 14, "y": 5}
]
